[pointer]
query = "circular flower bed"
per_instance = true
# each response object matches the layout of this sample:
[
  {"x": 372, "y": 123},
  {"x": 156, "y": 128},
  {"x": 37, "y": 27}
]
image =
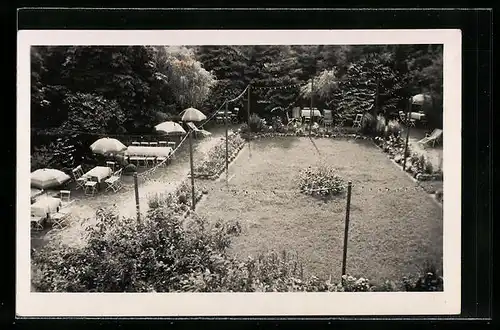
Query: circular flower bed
[{"x": 321, "y": 181}]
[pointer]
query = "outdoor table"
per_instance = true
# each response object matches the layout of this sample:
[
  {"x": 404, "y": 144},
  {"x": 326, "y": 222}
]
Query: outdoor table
[
  {"x": 45, "y": 205},
  {"x": 307, "y": 113},
  {"x": 148, "y": 151},
  {"x": 417, "y": 115},
  {"x": 100, "y": 172}
]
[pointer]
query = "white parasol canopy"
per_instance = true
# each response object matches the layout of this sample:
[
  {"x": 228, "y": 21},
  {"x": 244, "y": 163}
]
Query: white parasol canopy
[
  {"x": 192, "y": 114},
  {"x": 420, "y": 99},
  {"x": 107, "y": 146},
  {"x": 170, "y": 127},
  {"x": 48, "y": 177}
]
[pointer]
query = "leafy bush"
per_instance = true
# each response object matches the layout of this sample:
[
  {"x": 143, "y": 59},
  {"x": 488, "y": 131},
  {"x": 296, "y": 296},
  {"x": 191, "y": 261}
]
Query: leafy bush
[
  {"x": 167, "y": 252},
  {"x": 129, "y": 169},
  {"x": 322, "y": 181},
  {"x": 394, "y": 128},
  {"x": 256, "y": 124},
  {"x": 244, "y": 128},
  {"x": 439, "y": 195},
  {"x": 368, "y": 124},
  {"x": 41, "y": 158},
  {"x": 429, "y": 280},
  {"x": 277, "y": 125}
]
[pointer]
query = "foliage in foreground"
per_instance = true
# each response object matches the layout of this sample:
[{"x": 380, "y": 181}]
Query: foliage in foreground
[{"x": 167, "y": 252}]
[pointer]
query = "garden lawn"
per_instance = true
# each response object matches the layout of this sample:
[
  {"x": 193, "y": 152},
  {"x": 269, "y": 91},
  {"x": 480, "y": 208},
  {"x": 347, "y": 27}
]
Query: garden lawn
[{"x": 393, "y": 232}]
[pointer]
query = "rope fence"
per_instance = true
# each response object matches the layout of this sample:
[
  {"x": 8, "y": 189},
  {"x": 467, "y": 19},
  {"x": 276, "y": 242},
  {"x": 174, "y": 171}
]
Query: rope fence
[{"x": 147, "y": 174}]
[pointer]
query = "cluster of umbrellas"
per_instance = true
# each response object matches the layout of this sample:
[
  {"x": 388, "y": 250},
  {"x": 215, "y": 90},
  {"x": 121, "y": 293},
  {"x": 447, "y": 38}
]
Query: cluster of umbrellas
[{"x": 49, "y": 177}]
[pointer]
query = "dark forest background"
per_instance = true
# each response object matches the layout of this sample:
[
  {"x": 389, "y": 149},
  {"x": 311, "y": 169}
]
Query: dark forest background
[{"x": 81, "y": 92}]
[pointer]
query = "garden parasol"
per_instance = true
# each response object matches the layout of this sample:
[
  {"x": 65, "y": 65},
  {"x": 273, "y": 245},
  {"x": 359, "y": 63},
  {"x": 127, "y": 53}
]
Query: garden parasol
[
  {"x": 170, "y": 127},
  {"x": 48, "y": 177},
  {"x": 192, "y": 114},
  {"x": 420, "y": 99},
  {"x": 107, "y": 146}
]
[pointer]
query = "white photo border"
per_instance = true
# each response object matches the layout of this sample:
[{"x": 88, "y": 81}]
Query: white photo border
[{"x": 448, "y": 302}]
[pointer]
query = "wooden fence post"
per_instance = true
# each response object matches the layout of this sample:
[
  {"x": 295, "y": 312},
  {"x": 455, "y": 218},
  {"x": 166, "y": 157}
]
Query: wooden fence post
[
  {"x": 136, "y": 186},
  {"x": 346, "y": 229}
]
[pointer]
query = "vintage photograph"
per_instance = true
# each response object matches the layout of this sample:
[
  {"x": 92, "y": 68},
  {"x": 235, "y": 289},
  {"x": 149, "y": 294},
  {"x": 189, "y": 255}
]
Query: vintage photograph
[{"x": 238, "y": 168}]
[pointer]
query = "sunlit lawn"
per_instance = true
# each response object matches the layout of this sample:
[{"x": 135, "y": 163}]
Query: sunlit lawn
[{"x": 393, "y": 232}]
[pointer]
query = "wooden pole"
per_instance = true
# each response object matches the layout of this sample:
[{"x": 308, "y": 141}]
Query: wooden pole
[
  {"x": 346, "y": 229},
  {"x": 311, "y": 111},
  {"x": 227, "y": 144},
  {"x": 136, "y": 186},
  {"x": 248, "y": 120},
  {"x": 408, "y": 115},
  {"x": 248, "y": 104},
  {"x": 193, "y": 197}
]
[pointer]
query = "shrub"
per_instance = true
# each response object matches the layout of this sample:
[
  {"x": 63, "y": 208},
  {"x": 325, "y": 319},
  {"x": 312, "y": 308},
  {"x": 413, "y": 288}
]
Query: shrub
[
  {"x": 256, "y": 124},
  {"x": 129, "y": 169},
  {"x": 368, "y": 124},
  {"x": 394, "y": 128},
  {"x": 277, "y": 125},
  {"x": 322, "y": 181},
  {"x": 244, "y": 128},
  {"x": 439, "y": 195},
  {"x": 428, "y": 280}
]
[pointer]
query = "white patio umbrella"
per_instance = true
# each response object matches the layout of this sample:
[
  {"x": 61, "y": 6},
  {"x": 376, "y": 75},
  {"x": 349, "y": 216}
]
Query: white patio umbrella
[
  {"x": 47, "y": 178},
  {"x": 420, "y": 99},
  {"x": 192, "y": 114},
  {"x": 170, "y": 127},
  {"x": 107, "y": 146}
]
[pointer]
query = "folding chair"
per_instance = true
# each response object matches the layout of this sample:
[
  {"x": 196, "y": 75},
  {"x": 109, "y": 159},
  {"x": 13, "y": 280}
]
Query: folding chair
[
  {"x": 162, "y": 143},
  {"x": 135, "y": 143},
  {"x": 149, "y": 160},
  {"x": 432, "y": 138},
  {"x": 36, "y": 222},
  {"x": 78, "y": 177},
  {"x": 65, "y": 195},
  {"x": 59, "y": 219},
  {"x": 111, "y": 165},
  {"x": 327, "y": 118},
  {"x": 144, "y": 144},
  {"x": 357, "y": 120},
  {"x": 153, "y": 144},
  {"x": 114, "y": 182},
  {"x": 91, "y": 186},
  {"x": 171, "y": 144}
]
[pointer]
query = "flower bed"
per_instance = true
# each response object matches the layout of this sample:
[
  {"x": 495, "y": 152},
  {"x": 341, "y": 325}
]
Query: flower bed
[
  {"x": 418, "y": 165},
  {"x": 321, "y": 181},
  {"x": 214, "y": 165}
]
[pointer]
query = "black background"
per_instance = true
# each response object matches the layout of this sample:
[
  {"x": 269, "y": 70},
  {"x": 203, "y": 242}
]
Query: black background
[{"x": 477, "y": 142}]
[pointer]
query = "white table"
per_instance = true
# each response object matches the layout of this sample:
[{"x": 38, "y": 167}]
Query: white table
[
  {"x": 417, "y": 115},
  {"x": 45, "y": 205},
  {"x": 100, "y": 172},
  {"x": 148, "y": 151},
  {"x": 307, "y": 113}
]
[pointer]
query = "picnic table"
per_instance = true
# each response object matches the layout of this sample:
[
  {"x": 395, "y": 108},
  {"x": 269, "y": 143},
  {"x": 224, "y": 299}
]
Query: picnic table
[{"x": 45, "y": 205}]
